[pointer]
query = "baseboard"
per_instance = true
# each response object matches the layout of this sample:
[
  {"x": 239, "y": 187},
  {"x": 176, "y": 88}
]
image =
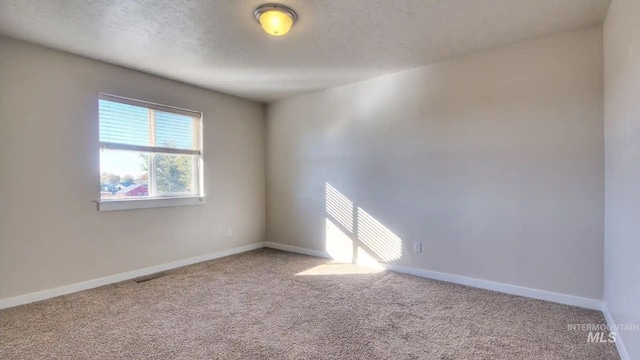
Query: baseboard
[
  {"x": 559, "y": 298},
  {"x": 298, "y": 250},
  {"x": 565, "y": 299},
  {"x": 622, "y": 351},
  {"x": 463, "y": 280},
  {"x": 90, "y": 284}
]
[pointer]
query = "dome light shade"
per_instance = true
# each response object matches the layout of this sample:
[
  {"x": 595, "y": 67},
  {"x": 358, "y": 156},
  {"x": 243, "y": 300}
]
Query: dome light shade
[{"x": 275, "y": 19}]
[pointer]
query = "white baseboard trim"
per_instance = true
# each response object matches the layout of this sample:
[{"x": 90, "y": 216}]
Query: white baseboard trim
[
  {"x": 559, "y": 298},
  {"x": 622, "y": 351},
  {"x": 90, "y": 284},
  {"x": 298, "y": 250},
  {"x": 463, "y": 280},
  {"x": 565, "y": 299}
]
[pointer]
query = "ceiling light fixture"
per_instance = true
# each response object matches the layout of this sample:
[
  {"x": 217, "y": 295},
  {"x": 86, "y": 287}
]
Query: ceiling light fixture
[{"x": 275, "y": 19}]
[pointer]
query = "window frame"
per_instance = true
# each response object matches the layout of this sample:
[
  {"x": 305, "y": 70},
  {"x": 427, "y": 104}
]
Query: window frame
[{"x": 154, "y": 199}]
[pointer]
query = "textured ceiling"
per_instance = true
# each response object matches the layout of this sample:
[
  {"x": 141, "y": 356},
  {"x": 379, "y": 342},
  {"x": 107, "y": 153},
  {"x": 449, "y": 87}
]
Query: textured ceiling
[{"x": 218, "y": 45}]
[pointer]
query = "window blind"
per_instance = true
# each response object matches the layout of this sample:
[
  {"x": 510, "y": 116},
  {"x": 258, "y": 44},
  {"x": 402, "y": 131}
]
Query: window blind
[{"x": 127, "y": 124}]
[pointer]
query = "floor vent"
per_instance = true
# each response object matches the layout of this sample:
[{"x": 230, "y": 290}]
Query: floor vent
[{"x": 146, "y": 278}]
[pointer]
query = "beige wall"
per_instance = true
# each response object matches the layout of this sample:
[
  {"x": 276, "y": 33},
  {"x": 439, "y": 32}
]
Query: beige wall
[
  {"x": 622, "y": 144},
  {"x": 493, "y": 161},
  {"x": 50, "y": 232}
]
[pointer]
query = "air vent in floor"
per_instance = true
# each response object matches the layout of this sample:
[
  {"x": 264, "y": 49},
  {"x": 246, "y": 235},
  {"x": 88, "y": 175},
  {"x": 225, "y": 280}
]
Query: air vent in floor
[{"x": 146, "y": 278}]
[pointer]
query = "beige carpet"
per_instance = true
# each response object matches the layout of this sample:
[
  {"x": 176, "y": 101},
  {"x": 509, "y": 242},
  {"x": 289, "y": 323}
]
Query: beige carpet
[{"x": 268, "y": 304}]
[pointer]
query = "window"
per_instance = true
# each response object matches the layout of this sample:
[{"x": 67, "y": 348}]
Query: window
[{"x": 148, "y": 152}]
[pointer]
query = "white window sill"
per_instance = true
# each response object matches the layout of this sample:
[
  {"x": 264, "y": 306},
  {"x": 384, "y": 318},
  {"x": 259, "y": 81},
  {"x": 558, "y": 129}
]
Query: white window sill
[{"x": 129, "y": 204}]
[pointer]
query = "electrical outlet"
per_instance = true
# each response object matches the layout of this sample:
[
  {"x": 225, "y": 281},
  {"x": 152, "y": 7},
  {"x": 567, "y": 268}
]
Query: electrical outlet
[
  {"x": 229, "y": 232},
  {"x": 417, "y": 247}
]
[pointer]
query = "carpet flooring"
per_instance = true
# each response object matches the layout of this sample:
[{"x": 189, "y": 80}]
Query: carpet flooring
[{"x": 268, "y": 304}]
